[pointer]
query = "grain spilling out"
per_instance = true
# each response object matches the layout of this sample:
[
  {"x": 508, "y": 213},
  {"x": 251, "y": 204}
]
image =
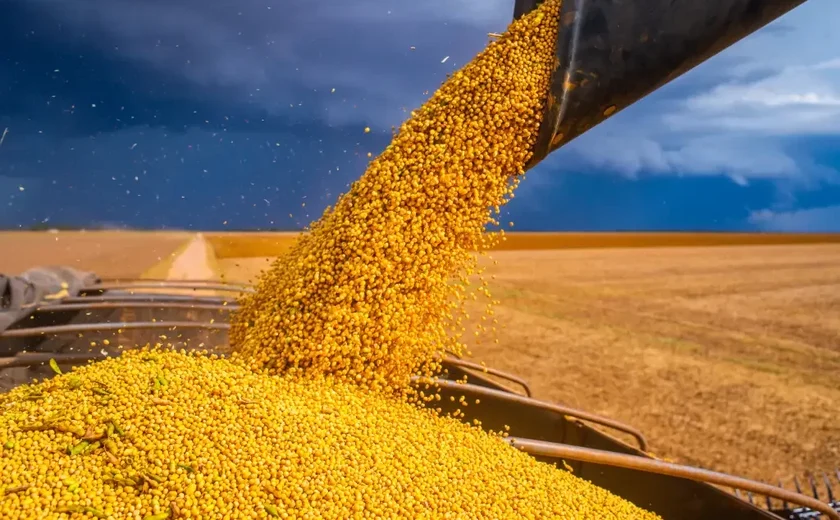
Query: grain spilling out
[
  {"x": 157, "y": 435},
  {"x": 378, "y": 284},
  {"x": 307, "y": 418}
]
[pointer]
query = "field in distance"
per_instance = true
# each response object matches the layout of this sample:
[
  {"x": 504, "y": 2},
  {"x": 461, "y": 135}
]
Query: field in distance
[
  {"x": 259, "y": 244},
  {"x": 110, "y": 254},
  {"x": 725, "y": 357}
]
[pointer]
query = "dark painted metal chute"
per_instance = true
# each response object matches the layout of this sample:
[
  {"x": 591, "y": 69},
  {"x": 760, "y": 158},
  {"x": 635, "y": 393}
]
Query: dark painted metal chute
[{"x": 612, "y": 53}]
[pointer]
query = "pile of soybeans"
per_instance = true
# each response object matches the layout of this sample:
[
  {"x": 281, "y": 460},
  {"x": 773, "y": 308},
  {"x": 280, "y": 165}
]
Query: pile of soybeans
[
  {"x": 309, "y": 418},
  {"x": 155, "y": 435}
]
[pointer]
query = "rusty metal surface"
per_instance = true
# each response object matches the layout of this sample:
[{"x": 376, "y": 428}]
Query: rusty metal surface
[
  {"x": 492, "y": 371},
  {"x": 34, "y": 359},
  {"x": 148, "y": 297},
  {"x": 138, "y": 305},
  {"x": 115, "y": 326},
  {"x": 95, "y": 326},
  {"x": 166, "y": 284},
  {"x": 174, "y": 283},
  {"x": 473, "y": 390},
  {"x": 560, "y": 451}
]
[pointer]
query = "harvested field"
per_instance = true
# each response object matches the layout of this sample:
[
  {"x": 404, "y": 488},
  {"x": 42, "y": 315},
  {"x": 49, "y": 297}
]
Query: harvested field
[
  {"x": 726, "y": 357},
  {"x": 110, "y": 254},
  {"x": 243, "y": 269},
  {"x": 258, "y": 244},
  {"x": 249, "y": 245},
  {"x": 530, "y": 241}
]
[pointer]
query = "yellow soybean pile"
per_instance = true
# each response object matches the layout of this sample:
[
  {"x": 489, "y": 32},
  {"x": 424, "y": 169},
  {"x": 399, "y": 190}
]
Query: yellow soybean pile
[
  {"x": 378, "y": 284},
  {"x": 156, "y": 435}
]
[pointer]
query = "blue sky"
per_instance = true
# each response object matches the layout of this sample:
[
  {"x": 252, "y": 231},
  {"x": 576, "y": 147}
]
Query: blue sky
[{"x": 193, "y": 113}]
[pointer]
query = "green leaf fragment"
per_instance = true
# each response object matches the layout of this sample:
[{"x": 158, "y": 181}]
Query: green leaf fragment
[
  {"x": 54, "y": 366},
  {"x": 149, "y": 476},
  {"x": 74, "y": 383},
  {"x": 271, "y": 510},
  {"x": 158, "y": 516},
  {"x": 189, "y": 469},
  {"x": 117, "y": 428},
  {"x": 78, "y": 448}
]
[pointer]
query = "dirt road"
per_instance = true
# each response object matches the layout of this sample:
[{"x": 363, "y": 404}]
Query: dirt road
[{"x": 111, "y": 254}]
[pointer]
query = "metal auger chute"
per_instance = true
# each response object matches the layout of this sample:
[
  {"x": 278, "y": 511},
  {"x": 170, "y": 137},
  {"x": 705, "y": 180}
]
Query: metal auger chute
[{"x": 610, "y": 54}]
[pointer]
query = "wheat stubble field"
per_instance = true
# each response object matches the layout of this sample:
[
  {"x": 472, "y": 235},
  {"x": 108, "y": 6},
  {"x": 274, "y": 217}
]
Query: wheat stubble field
[
  {"x": 110, "y": 254},
  {"x": 727, "y": 357}
]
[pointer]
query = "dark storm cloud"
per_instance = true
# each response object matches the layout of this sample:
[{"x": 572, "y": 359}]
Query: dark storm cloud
[
  {"x": 194, "y": 179},
  {"x": 191, "y": 113},
  {"x": 255, "y": 57}
]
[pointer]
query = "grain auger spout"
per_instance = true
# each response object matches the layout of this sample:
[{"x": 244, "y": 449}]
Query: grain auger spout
[{"x": 612, "y": 53}]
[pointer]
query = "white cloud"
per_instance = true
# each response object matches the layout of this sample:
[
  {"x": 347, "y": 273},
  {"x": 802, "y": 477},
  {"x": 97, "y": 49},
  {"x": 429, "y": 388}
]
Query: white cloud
[
  {"x": 741, "y": 159},
  {"x": 772, "y": 88},
  {"x": 824, "y": 220},
  {"x": 797, "y": 100}
]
